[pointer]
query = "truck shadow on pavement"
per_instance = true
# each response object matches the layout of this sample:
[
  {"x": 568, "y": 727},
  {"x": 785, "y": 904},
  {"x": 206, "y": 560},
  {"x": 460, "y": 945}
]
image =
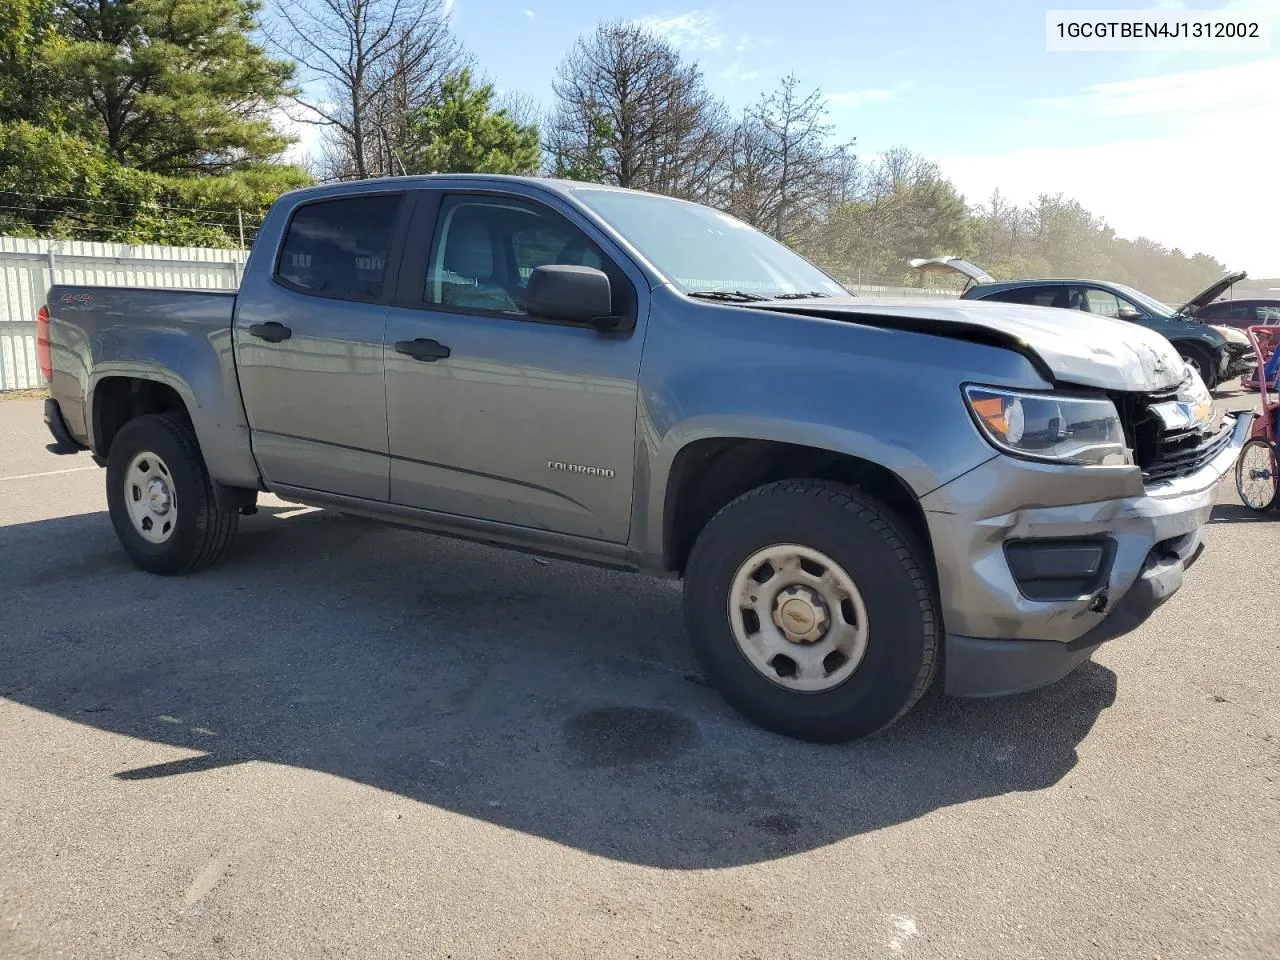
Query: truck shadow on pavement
[
  {"x": 552, "y": 699},
  {"x": 1239, "y": 513}
]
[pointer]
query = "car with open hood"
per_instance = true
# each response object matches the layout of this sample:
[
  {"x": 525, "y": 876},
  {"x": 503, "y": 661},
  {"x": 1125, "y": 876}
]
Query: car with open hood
[{"x": 1217, "y": 354}]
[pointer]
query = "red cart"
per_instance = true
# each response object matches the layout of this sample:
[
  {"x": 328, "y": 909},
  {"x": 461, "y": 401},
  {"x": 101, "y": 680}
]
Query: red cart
[{"x": 1257, "y": 473}]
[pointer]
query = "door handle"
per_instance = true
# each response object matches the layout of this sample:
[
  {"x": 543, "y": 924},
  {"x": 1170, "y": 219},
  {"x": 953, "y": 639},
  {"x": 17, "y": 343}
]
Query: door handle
[
  {"x": 423, "y": 349},
  {"x": 270, "y": 331}
]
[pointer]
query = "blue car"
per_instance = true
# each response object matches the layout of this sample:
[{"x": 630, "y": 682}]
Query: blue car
[{"x": 1213, "y": 352}]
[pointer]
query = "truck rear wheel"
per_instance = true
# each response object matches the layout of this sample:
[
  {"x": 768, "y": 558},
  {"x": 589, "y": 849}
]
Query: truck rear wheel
[
  {"x": 162, "y": 500},
  {"x": 810, "y": 612}
]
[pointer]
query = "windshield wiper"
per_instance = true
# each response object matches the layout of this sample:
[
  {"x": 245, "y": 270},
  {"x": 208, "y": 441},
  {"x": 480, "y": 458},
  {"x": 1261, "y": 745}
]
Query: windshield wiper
[
  {"x": 800, "y": 296},
  {"x": 731, "y": 296}
]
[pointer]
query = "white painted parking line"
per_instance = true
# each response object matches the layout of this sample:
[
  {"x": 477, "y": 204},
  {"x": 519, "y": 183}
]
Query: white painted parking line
[{"x": 49, "y": 473}]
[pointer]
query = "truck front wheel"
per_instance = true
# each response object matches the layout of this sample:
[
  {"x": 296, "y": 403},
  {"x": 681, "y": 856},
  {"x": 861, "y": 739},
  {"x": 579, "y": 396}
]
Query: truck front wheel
[
  {"x": 809, "y": 610},
  {"x": 161, "y": 498}
]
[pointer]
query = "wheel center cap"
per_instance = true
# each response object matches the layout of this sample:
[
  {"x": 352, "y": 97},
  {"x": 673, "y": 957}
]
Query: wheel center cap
[
  {"x": 801, "y": 615},
  {"x": 158, "y": 496}
]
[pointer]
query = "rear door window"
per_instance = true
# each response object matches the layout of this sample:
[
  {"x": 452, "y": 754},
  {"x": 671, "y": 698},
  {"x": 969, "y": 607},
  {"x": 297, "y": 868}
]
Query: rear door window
[
  {"x": 339, "y": 248},
  {"x": 1040, "y": 296}
]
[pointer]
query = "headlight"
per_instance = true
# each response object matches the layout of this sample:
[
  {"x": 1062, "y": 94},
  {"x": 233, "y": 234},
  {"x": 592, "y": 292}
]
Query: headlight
[
  {"x": 1231, "y": 334},
  {"x": 1049, "y": 426}
]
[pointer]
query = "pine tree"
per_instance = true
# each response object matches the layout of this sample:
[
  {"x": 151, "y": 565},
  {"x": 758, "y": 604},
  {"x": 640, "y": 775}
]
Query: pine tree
[
  {"x": 170, "y": 86},
  {"x": 463, "y": 132}
]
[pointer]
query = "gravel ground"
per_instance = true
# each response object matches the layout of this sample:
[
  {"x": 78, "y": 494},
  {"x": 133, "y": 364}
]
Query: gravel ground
[{"x": 352, "y": 740}]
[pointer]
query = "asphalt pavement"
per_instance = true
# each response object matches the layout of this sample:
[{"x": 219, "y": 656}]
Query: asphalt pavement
[{"x": 351, "y": 740}]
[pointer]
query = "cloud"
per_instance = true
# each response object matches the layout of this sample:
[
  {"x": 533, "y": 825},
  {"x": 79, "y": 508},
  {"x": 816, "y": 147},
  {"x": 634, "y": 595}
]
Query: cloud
[
  {"x": 697, "y": 28},
  {"x": 853, "y": 99},
  {"x": 447, "y": 10},
  {"x": 736, "y": 73},
  {"x": 308, "y": 137},
  {"x": 1193, "y": 171},
  {"x": 1249, "y": 85},
  {"x": 529, "y": 14}
]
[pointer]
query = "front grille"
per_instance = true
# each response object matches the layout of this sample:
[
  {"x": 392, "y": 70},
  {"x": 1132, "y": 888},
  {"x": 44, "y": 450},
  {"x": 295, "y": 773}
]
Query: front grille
[
  {"x": 1182, "y": 455},
  {"x": 1165, "y": 454}
]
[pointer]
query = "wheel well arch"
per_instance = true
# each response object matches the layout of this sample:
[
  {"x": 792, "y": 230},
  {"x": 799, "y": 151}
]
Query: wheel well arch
[
  {"x": 1195, "y": 345},
  {"x": 117, "y": 400},
  {"x": 708, "y": 474}
]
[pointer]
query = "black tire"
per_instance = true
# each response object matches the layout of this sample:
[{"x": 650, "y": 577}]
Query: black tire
[
  {"x": 879, "y": 555},
  {"x": 1202, "y": 360},
  {"x": 203, "y": 529},
  {"x": 1262, "y": 492}
]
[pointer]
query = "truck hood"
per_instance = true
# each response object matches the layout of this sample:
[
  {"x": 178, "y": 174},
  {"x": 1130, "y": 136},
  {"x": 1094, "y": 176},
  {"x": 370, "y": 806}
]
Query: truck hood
[
  {"x": 1066, "y": 346},
  {"x": 1211, "y": 293}
]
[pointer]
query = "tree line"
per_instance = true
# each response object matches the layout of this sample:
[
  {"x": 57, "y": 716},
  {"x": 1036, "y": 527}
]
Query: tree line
[{"x": 160, "y": 121}]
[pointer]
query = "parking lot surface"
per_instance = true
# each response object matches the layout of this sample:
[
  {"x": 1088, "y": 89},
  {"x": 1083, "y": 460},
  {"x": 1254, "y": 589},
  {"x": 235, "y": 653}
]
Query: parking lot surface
[{"x": 358, "y": 741}]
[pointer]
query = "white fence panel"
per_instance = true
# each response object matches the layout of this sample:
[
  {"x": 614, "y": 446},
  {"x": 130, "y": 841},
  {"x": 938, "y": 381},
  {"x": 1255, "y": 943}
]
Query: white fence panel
[{"x": 29, "y": 267}]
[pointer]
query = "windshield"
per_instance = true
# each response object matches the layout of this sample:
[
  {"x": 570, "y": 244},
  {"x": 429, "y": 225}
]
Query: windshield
[
  {"x": 1142, "y": 300},
  {"x": 698, "y": 248}
]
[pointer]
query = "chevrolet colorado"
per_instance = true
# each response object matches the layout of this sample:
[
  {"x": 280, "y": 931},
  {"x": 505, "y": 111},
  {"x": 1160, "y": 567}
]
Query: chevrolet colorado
[{"x": 857, "y": 494}]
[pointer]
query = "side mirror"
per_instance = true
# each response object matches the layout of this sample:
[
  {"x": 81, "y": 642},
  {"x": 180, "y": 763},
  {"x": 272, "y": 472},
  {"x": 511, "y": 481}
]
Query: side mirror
[
  {"x": 570, "y": 293},
  {"x": 1128, "y": 313}
]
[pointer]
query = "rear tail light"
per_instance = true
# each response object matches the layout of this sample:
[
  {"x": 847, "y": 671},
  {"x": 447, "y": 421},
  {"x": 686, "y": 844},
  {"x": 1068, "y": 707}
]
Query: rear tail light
[{"x": 43, "y": 353}]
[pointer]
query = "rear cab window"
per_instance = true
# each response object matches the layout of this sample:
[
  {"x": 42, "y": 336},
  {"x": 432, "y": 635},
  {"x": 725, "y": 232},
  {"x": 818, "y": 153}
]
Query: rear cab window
[{"x": 339, "y": 248}]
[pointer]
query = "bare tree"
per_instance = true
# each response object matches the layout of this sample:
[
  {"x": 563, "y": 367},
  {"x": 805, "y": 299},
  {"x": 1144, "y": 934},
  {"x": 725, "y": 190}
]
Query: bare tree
[
  {"x": 796, "y": 141},
  {"x": 630, "y": 111},
  {"x": 523, "y": 108},
  {"x": 750, "y": 183},
  {"x": 364, "y": 66},
  {"x": 784, "y": 172}
]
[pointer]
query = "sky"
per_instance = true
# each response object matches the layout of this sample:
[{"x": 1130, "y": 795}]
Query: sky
[{"x": 1183, "y": 148}]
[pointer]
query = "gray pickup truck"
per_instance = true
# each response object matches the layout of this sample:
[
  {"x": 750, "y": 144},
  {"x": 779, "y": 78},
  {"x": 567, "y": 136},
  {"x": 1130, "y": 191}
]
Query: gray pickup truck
[{"x": 858, "y": 494}]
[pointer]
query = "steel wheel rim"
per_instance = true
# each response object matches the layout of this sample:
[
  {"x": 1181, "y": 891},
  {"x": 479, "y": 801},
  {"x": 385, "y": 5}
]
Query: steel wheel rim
[
  {"x": 798, "y": 618},
  {"x": 149, "y": 497},
  {"x": 1257, "y": 476}
]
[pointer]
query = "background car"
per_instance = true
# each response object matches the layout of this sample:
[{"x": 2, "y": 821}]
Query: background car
[
  {"x": 1240, "y": 313},
  {"x": 1216, "y": 355}
]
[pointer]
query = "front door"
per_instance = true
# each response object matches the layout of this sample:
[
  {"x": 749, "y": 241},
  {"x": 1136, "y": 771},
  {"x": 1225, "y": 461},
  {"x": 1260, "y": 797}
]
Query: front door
[
  {"x": 495, "y": 415},
  {"x": 309, "y": 349}
]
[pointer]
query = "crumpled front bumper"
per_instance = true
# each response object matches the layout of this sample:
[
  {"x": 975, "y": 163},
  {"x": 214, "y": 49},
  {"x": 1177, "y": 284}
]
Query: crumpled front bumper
[
  {"x": 998, "y": 640},
  {"x": 1240, "y": 361}
]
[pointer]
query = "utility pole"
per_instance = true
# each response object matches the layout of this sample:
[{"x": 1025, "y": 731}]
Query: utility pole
[{"x": 240, "y": 223}]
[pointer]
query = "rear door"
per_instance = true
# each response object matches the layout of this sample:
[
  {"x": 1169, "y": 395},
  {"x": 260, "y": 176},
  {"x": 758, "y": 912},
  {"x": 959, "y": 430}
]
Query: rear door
[
  {"x": 509, "y": 418},
  {"x": 308, "y": 342}
]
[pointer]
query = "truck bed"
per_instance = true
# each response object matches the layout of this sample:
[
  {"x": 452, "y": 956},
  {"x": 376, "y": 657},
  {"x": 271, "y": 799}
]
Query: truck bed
[{"x": 178, "y": 338}]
